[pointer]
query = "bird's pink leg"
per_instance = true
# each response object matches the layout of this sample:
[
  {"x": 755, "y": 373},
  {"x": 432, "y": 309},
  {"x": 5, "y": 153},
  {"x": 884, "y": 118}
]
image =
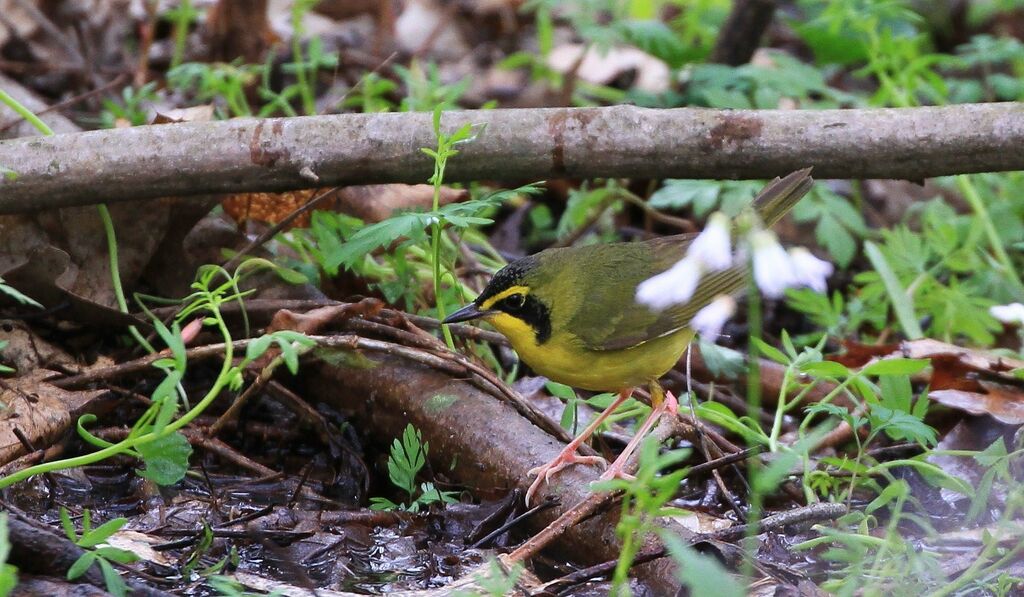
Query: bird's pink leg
[
  {"x": 568, "y": 455},
  {"x": 614, "y": 471}
]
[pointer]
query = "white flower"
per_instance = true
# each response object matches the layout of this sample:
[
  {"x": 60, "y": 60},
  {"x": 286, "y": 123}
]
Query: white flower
[
  {"x": 709, "y": 320},
  {"x": 672, "y": 286},
  {"x": 713, "y": 247},
  {"x": 773, "y": 269},
  {"x": 1012, "y": 313},
  {"x": 810, "y": 271}
]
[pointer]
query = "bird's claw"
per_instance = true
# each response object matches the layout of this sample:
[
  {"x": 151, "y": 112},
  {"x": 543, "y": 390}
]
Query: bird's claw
[
  {"x": 671, "y": 403},
  {"x": 615, "y": 472},
  {"x": 563, "y": 460}
]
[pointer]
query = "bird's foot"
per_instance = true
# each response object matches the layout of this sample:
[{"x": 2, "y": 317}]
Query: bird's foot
[
  {"x": 617, "y": 470},
  {"x": 567, "y": 457},
  {"x": 671, "y": 403}
]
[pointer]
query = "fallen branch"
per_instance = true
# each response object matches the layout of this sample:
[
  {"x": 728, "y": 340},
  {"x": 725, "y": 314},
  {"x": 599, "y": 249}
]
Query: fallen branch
[
  {"x": 620, "y": 141},
  {"x": 475, "y": 438}
]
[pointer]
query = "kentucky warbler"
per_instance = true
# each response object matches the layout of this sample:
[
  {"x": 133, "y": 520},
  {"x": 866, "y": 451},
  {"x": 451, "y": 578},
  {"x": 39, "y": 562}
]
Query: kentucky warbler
[{"x": 572, "y": 316}]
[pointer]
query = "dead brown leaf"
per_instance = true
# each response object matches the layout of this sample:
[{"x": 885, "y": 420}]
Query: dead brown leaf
[
  {"x": 970, "y": 380},
  {"x": 370, "y": 203},
  {"x": 269, "y": 208},
  {"x": 373, "y": 203},
  {"x": 39, "y": 410}
]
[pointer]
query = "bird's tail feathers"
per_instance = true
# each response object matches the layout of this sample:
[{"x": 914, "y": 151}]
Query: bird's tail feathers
[{"x": 781, "y": 194}]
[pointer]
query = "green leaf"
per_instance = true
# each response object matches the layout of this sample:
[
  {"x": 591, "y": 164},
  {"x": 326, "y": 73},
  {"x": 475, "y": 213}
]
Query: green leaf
[
  {"x": 258, "y": 347},
  {"x": 115, "y": 554},
  {"x": 115, "y": 584},
  {"x": 8, "y": 575},
  {"x": 174, "y": 341},
  {"x": 845, "y": 464},
  {"x": 830, "y": 46},
  {"x": 703, "y": 575},
  {"x": 560, "y": 390},
  {"x": 407, "y": 457},
  {"x": 828, "y": 409},
  {"x": 721, "y": 361},
  {"x": 836, "y": 239},
  {"x": 67, "y": 525},
  {"x": 719, "y": 414},
  {"x": 655, "y": 38},
  {"x": 375, "y": 236},
  {"x": 898, "y": 366},
  {"x": 569, "y": 414},
  {"x": 980, "y": 500},
  {"x": 166, "y": 459},
  {"x": 896, "y": 393},
  {"x": 902, "y": 304},
  {"x": 102, "y": 532},
  {"x": 770, "y": 351},
  {"x": 429, "y": 494},
  {"x": 900, "y": 425},
  {"x": 384, "y": 504},
  {"x": 677, "y": 194},
  {"x": 830, "y": 369},
  {"x": 769, "y": 478},
  {"x": 166, "y": 394},
  {"x": 898, "y": 489},
  {"x": 17, "y": 295},
  {"x": 993, "y": 454},
  {"x": 81, "y": 565},
  {"x": 5, "y": 542}
]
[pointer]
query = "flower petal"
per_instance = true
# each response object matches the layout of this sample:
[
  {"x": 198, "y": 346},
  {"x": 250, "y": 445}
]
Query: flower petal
[
  {"x": 713, "y": 246},
  {"x": 673, "y": 286},
  {"x": 709, "y": 320},
  {"x": 773, "y": 269},
  {"x": 810, "y": 271},
  {"x": 1012, "y": 313}
]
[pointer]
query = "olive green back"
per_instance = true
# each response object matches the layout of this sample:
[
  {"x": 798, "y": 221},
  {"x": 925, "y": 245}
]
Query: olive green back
[{"x": 596, "y": 285}]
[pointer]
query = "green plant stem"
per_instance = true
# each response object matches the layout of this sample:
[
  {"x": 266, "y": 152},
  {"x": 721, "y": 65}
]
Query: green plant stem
[
  {"x": 299, "y": 10},
  {"x": 435, "y": 233},
  {"x": 435, "y": 243},
  {"x": 115, "y": 274},
  {"x": 754, "y": 326},
  {"x": 998, "y": 249},
  {"x": 181, "y": 23},
  {"x": 25, "y": 113},
  {"x": 108, "y": 225},
  {"x": 828, "y": 538},
  {"x": 975, "y": 570},
  {"x": 780, "y": 410},
  {"x": 133, "y": 442}
]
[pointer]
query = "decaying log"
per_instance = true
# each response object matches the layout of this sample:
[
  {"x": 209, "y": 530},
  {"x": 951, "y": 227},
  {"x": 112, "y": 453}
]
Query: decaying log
[{"x": 495, "y": 446}]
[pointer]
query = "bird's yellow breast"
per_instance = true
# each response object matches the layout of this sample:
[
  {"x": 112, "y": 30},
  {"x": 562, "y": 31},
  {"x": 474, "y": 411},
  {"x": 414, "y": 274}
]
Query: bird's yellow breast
[{"x": 564, "y": 359}]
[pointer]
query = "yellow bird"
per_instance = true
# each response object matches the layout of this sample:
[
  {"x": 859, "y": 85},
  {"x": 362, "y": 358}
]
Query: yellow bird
[{"x": 571, "y": 314}]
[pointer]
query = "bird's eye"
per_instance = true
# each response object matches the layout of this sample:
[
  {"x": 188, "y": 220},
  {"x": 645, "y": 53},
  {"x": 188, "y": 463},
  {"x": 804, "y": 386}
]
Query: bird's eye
[{"x": 515, "y": 301}]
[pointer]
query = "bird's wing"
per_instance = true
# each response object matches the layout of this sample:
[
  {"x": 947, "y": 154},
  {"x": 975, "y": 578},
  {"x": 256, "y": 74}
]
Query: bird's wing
[
  {"x": 605, "y": 321},
  {"x": 630, "y": 323}
]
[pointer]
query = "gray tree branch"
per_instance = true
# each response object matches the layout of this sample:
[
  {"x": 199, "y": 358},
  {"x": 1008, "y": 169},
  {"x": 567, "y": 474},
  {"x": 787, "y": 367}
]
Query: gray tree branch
[{"x": 511, "y": 145}]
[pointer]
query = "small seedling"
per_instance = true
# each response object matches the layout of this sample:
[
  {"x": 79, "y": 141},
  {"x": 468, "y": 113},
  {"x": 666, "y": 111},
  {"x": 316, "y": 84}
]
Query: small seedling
[
  {"x": 409, "y": 456},
  {"x": 92, "y": 540}
]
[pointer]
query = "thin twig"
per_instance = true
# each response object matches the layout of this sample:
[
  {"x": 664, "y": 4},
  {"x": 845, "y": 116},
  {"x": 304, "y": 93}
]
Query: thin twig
[
  {"x": 68, "y": 102},
  {"x": 271, "y": 232}
]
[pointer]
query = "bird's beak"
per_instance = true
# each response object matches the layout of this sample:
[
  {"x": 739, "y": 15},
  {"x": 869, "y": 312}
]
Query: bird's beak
[{"x": 470, "y": 311}]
